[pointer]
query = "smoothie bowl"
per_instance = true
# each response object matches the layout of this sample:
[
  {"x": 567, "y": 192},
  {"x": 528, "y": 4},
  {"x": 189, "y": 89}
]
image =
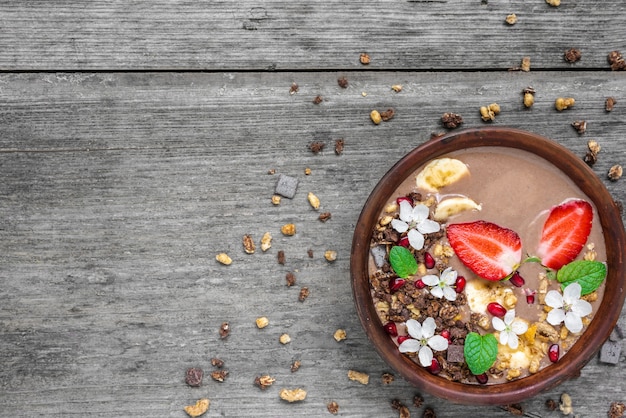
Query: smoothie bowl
[{"x": 487, "y": 266}]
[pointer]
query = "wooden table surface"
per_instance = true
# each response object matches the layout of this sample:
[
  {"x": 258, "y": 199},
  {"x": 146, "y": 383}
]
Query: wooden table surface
[{"x": 137, "y": 141}]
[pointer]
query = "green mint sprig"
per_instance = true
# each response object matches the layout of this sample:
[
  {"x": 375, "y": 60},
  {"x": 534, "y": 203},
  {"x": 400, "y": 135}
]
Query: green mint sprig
[
  {"x": 480, "y": 352},
  {"x": 589, "y": 274},
  {"x": 402, "y": 261}
]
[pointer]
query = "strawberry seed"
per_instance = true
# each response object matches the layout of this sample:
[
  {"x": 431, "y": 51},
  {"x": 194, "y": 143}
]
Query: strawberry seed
[{"x": 495, "y": 309}]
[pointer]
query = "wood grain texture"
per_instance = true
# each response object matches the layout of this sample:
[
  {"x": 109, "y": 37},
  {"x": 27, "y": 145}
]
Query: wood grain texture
[
  {"x": 287, "y": 35},
  {"x": 118, "y": 190}
]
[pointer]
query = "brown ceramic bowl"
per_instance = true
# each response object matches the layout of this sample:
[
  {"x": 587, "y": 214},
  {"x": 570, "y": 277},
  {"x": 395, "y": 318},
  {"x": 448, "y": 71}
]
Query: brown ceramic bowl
[{"x": 591, "y": 340}]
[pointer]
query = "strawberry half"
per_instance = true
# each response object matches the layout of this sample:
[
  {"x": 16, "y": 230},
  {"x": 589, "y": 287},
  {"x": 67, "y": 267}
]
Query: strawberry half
[
  {"x": 489, "y": 250},
  {"x": 564, "y": 233}
]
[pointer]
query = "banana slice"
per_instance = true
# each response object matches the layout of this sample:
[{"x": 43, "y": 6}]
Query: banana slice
[
  {"x": 439, "y": 173},
  {"x": 452, "y": 206}
]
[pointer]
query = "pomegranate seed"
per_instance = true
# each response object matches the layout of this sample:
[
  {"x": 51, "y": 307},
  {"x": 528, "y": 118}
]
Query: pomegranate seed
[
  {"x": 396, "y": 284},
  {"x": 420, "y": 284},
  {"x": 554, "y": 352},
  {"x": 482, "y": 378},
  {"x": 435, "y": 367},
  {"x": 496, "y": 309},
  {"x": 459, "y": 285},
  {"x": 403, "y": 338},
  {"x": 404, "y": 242},
  {"x": 530, "y": 296},
  {"x": 517, "y": 280},
  {"x": 429, "y": 261},
  {"x": 404, "y": 198},
  {"x": 446, "y": 334},
  {"x": 391, "y": 329}
]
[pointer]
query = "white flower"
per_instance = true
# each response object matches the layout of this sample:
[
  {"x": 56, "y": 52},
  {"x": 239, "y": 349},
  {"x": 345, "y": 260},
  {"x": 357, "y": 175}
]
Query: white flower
[
  {"x": 442, "y": 286},
  {"x": 424, "y": 340},
  {"x": 415, "y": 220},
  {"x": 510, "y": 328},
  {"x": 568, "y": 307}
]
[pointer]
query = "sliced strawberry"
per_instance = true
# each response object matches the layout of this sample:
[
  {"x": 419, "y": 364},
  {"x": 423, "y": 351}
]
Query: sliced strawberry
[
  {"x": 564, "y": 233},
  {"x": 489, "y": 250}
]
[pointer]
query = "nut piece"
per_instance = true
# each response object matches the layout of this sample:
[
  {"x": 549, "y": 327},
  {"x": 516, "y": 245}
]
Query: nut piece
[
  {"x": 376, "y": 117},
  {"x": 529, "y": 96},
  {"x": 525, "y": 64},
  {"x": 580, "y": 126},
  {"x": 572, "y": 55},
  {"x": 224, "y": 330},
  {"x": 262, "y": 322},
  {"x": 288, "y": 229},
  {"x": 219, "y": 375},
  {"x": 609, "y": 104},
  {"x": 340, "y": 335},
  {"x": 275, "y": 200},
  {"x": 193, "y": 376},
  {"x": 330, "y": 255},
  {"x": 314, "y": 201},
  {"x": 511, "y": 19},
  {"x": 266, "y": 241},
  {"x": 451, "y": 120},
  {"x": 387, "y": 114},
  {"x": 563, "y": 103},
  {"x": 360, "y": 377},
  {"x": 284, "y": 339},
  {"x": 304, "y": 293},
  {"x": 292, "y": 395},
  {"x": 201, "y": 406},
  {"x": 565, "y": 404},
  {"x": 397, "y": 88},
  {"x": 554, "y": 3},
  {"x": 248, "y": 244},
  {"x": 224, "y": 259},
  {"x": 615, "y": 172},
  {"x": 488, "y": 113},
  {"x": 364, "y": 58},
  {"x": 333, "y": 407},
  {"x": 264, "y": 381}
]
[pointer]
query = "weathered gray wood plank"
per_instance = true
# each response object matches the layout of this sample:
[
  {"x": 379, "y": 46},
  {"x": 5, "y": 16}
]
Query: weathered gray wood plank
[
  {"x": 119, "y": 189},
  {"x": 286, "y": 35}
]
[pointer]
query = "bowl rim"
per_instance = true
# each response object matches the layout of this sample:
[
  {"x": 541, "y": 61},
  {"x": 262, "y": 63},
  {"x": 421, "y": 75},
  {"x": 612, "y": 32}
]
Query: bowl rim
[{"x": 591, "y": 340}]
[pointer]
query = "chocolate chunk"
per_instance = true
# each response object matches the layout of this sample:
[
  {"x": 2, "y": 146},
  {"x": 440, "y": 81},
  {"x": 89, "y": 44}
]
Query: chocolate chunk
[
  {"x": 610, "y": 351},
  {"x": 286, "y": 186},
  {"x": 455, "y": 354},
  {"x": 379, "y": 253}
]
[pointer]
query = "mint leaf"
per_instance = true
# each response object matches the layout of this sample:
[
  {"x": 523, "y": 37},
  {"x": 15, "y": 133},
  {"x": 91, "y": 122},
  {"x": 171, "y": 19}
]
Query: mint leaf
[
  {"x": 589, "y": 274},
  {"x": 480, "y": 352},
  {"x": 402, "y": 261}
]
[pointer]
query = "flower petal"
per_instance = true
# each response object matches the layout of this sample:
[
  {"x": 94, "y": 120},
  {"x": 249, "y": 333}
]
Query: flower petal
[
  {"x": 572, "y": 293},
  {"x": 428, "y": 327},
  {"x": 449, "y": 276},
  {"x": 414, "y": 328},
  {"x": 399, "y": 225},
  {"x": 416, "y": 239},
  {"x": 409, "y": 346},
  {"x": 573, "y": 322},
  {"x": 406, "y": 211},
  {"x": 509, "y": 316},
  {"x": 437, "y": 292},
  {"x": 582, "y": 307},
  {"x": 555, "y": 316},
  {"x": 420, "y": 213},
  {"x": 513, "y": 341},
  {"x": 498, "y": 324},
  {"x": 438, "y": 343},
  {"x": 428, "y": 226},
  {"x": 449, "y": 293},
  {"x": 426, "y": 356},
  {"x": 519, "y": 327},
  {"x": 504, "y": 337},
  {"x": 430, "y": 280},
  {"x": 554, "y": 299}
]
